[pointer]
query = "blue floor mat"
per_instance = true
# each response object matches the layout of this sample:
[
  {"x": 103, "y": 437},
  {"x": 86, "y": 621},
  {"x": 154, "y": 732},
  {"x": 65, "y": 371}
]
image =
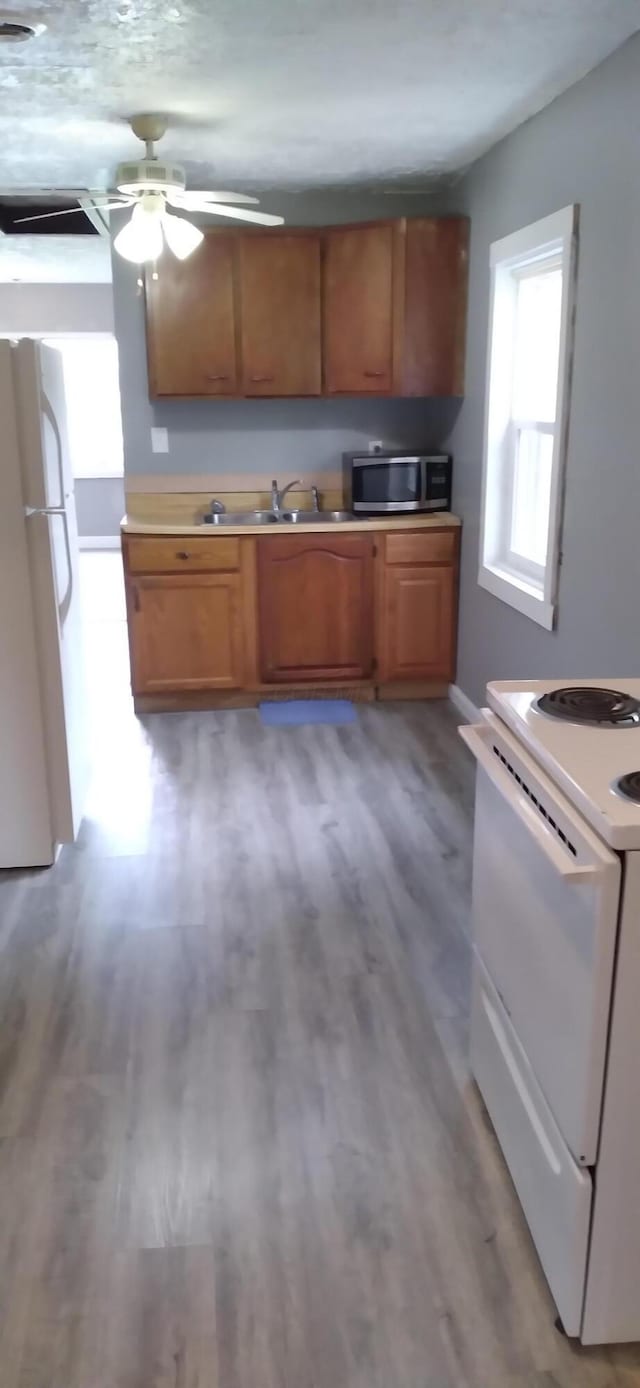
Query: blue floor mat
[{"x": 294, "y": 713}]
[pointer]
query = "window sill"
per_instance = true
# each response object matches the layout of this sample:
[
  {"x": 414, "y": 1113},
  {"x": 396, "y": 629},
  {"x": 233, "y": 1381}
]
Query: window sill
[{"x": 517, "y": 593}]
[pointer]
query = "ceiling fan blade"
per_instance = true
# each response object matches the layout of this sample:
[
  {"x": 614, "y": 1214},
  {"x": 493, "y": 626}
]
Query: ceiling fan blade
[
  {"x": 241, "y": 214},
  {"x": 69, "y": 211},
  {"x": 206, "y": 196}
]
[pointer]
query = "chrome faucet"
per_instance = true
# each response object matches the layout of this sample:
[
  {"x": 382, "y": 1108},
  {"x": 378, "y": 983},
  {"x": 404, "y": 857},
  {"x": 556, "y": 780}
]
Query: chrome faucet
[
  {"x": 315, "y": 498},
  {"x": 277, "y": 497}
]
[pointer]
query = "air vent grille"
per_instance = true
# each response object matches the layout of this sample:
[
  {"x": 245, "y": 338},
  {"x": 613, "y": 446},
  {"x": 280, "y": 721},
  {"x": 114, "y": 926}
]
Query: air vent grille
[{"x": 548, "y": 818}]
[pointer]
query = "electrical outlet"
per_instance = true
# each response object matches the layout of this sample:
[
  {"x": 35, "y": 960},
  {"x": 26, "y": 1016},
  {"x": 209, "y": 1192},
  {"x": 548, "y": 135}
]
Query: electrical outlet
[
  {"x": 159, "y": 440},
  {"x": 375, "y": 445}
]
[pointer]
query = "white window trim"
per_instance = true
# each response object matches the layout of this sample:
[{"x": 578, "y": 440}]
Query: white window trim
[{"x": 534, "y": 599}]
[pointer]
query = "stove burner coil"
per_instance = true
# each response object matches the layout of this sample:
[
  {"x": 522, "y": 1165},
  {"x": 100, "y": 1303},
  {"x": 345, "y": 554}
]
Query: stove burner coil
[
  {"x": 629, "y": 786},
  {"x": 586, "y": 704}
]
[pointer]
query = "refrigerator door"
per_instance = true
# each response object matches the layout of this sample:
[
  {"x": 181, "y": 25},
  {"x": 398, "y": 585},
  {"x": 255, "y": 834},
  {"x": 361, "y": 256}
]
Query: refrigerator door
[
  {"x": 26, "y": 835},
  {"x": 47, "y": 483}
]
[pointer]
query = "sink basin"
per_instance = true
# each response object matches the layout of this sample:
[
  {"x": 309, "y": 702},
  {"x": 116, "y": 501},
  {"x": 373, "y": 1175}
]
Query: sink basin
[
  {"x": 286, "y": 518},
  {"x": 316, "y": 517},
  {"x": 241, "y": 518}
]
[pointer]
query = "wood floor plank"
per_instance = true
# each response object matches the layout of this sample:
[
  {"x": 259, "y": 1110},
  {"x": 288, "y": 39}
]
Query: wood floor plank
[{"x": 239, "y": 1143}]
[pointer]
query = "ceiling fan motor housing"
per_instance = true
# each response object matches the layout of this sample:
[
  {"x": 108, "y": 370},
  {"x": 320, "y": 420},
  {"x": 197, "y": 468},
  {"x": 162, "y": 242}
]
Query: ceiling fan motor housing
[{"x": 150, "y": 176}]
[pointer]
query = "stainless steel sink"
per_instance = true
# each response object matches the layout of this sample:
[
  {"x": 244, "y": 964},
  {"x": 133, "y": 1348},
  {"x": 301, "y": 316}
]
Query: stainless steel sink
[
  {"x": 241, "y": 518},
  {"x": 316, "y": 517},
  {"x": 285, "y": 518}
]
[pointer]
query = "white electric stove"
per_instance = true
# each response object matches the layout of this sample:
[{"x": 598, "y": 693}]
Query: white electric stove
[{"x": 555, "y": 1031}]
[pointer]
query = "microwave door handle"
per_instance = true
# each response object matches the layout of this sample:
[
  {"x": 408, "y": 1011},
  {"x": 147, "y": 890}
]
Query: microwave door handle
[
  {"x": 424, "y": 469},
  {"x": 577, "y": 874}
]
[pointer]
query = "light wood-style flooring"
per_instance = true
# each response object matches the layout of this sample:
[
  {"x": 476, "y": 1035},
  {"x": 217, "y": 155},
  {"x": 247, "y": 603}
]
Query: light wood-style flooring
[{"x": 239, "y": 1144}]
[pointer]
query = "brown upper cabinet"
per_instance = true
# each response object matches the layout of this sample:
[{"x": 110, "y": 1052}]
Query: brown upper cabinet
[
  {"x": 191, "y": 322},
  {"x": 432, "y": 283},
  {"x": 358, "y": 309},
  {"x": 374, "y": 309},
  {"x": 279, "y": 278},
  {"x": 395, "y": 307}
]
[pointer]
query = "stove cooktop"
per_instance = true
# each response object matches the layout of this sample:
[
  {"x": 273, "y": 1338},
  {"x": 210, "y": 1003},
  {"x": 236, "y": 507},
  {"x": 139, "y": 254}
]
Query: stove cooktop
[
  {"x": 629, "y": 786},
  {"x": 592, "y": 705},
  {"x": 586, "y": 735}
]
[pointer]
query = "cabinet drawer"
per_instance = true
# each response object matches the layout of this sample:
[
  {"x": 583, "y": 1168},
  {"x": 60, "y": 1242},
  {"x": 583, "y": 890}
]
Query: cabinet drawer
[
  {"x": 421, "y": 547},
  {"x": 182, "y": 554}
]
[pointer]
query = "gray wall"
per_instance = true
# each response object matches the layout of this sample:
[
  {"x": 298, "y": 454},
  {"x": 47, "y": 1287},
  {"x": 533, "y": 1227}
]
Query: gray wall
[
  {"x": 100, "y": 505},
  {"x": 287, "y": 438},
  {"x": 39, "y": 309},
  {"x": 583, "y": 148}
]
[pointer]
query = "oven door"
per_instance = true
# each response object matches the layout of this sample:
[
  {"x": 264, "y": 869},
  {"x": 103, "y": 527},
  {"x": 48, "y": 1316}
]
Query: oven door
[
  {"x": 545, "y": 910},
  {"x": 388, "y": 484}
]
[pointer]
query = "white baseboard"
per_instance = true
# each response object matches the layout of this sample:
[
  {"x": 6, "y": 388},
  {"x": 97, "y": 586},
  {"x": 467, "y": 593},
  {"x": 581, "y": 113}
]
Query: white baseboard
[
  {"x": 463, "y": 703},
  {"x": 99, "y": 542}
]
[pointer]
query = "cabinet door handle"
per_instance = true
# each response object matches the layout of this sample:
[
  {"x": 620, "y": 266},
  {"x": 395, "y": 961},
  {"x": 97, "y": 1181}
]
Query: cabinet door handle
[
  {"x": 375, "y": 373},
  {"x": 220, "y": 376},
  {"x": 261, "y": 378}
]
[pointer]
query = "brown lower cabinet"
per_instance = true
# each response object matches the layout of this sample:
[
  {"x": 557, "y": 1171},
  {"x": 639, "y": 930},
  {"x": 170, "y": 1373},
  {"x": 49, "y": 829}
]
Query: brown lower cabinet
[
  {"x": 417, "y": 623},
  {"x": 315, "y": 607},
  {"x": 225, "y": 618},
  {"x": 186, "y": 632}
]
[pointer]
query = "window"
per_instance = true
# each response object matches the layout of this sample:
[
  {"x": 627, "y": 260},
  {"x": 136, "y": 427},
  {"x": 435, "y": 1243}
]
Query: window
[
  {"x": 532, "y": 284},
  {"x": 92, "y": 391}
]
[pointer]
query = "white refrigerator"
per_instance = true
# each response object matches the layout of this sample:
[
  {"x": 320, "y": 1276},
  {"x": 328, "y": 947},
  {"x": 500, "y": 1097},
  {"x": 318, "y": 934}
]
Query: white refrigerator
[{"x": 43, "y": 723}]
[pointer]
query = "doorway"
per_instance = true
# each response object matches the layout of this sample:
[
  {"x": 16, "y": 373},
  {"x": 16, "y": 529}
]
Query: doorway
[{"x": 94, "y": 431}]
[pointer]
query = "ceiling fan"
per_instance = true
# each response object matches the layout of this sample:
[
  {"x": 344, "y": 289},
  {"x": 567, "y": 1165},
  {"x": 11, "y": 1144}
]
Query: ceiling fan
[{"x": 150, "y": 186}]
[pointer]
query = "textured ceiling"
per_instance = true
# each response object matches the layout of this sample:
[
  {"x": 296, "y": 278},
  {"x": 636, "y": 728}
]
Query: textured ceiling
[
  {"x": 55, "y": 259},
  {"x": 295, "y": 93}
]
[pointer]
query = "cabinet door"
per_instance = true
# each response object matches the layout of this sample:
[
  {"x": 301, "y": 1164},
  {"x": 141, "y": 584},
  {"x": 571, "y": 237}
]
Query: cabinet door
[
  {"x": 191, "y": 329},
  {"x": 417, "y": 623},
  {"x": 316, "y": 607},
  {"x": 186, "y": 632},
  {"x": 280, "y": 314},
  {"x": 435, "y": 306},
  {"x": 359, "y": 309}
]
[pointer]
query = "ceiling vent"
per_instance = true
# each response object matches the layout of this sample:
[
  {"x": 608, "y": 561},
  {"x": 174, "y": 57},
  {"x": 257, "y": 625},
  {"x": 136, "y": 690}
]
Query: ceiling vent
[{"x": 12, "y": 31}]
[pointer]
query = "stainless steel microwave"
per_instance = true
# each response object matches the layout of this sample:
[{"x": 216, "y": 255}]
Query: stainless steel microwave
[{"x": 396, "y": 483}]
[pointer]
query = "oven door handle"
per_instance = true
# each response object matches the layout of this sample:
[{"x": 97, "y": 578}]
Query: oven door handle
[{"x": 576, "y": 874}]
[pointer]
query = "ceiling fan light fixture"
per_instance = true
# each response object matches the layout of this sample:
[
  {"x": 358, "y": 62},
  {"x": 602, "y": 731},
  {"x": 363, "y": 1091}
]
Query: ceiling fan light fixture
[
  {"x": 141, "y": 237},
  {"x": 182, "y": 237}
]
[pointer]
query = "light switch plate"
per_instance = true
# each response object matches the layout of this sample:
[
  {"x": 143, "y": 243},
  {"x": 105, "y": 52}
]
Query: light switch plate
[{"x": 159, "y": 440}]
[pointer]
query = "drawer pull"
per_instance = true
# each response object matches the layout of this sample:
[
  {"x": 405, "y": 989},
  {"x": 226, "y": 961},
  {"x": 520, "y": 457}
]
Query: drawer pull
[
  {"x": 375, "y": 373},
  {"x": 183, "y": 554},
  {"x": 260, "y": 378},
  {"x": 219, "y": 377}
]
